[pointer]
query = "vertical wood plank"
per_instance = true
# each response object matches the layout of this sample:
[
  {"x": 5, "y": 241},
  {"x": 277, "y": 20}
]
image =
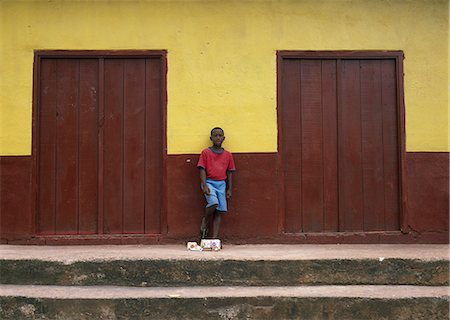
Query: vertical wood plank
[
  {"x": 312, "y": 145},
  {"x": 291, "y": 135},
  {"x": 100, "y": 145},
  {"x": 350, "y": 159},
  {"x": 113, "y": 146},
  {"x": 390, "y": 145},
  {"x": 153, "y": 145},
  {"x": 47, "y": 147},
  {"x": 134, "y": 128},
  {"x": 330, "y": 143},
  {"x": 372, "y": 145},
  {"x": 88, "y": 144},
  {"x": 67, "y": 147}
]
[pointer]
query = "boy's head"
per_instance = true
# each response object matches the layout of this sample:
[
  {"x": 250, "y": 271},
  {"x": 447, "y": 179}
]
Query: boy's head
[{"x": 217, "y": 136}]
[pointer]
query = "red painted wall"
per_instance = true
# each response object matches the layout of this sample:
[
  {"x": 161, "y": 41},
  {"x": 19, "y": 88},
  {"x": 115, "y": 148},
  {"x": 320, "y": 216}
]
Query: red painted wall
[
  {"x": 16, "y": 198},
  {"x": 428, "y": 192},
  {"x": 254, "y": 209}
]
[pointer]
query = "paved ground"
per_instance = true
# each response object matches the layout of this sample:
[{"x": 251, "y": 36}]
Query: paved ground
[
  {"x": 69, "y": 254},
  {"x": 115, "y": 292}
]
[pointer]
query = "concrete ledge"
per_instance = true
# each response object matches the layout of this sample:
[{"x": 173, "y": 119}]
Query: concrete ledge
[
  {"x": 329, "y": 302},
  {"x": 155, "y": 273},
  {"x": 120, "y": 292},
  {"x": 70, "y": 254}
]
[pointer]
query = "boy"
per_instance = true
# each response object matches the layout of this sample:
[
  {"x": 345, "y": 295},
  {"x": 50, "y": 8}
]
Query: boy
[{"x": 216, "y": 166}]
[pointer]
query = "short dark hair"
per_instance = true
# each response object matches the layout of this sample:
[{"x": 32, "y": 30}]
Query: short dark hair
[{"x": 217, "y": 128}]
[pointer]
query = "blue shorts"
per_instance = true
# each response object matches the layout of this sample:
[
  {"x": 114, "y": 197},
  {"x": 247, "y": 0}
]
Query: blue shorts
[{"x": 217, "y": 194}]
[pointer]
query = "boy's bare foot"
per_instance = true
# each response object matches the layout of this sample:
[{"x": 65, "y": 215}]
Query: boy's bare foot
[{"x": 204, "y": 233}]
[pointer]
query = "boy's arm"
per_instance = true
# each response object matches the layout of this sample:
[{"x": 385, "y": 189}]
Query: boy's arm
[
  {"x": 203, "y": 181},
  {"x": 229, "y": 183}
]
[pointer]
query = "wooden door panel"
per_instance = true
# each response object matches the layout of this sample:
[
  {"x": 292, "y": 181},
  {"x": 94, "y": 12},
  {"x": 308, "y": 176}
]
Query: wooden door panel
[
  {"x": 113, "y": 174},
  {"x": 134, "y": 146},
  {"x": 330, "y": 146},
  {"x": 66, "y": 221},
  {"x": 391, "y": 145},
  {"x": 100, "y": 146},
  {"x": 47, "y": 148},
  {"x": 312, "y": 145},
  {"x": 88, "y": 147},
  {"x": 291, "y": 126},
  {"x": 350, "y": 157},
  {"x": 153, "y": 146},
  {"x": 339, "y": 144},
  {"x": 372, "y": 145},
  {"x": 68, "y": 147}
]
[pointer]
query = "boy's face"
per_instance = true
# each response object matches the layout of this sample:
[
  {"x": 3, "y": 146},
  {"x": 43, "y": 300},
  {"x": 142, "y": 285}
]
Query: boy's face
[{"x": 217, "y": 137}]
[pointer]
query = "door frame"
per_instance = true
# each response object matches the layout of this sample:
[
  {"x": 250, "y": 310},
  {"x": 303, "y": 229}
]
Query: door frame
[
  {"x": 398, "y": 56},
  {"x": 96, "y": 54}
]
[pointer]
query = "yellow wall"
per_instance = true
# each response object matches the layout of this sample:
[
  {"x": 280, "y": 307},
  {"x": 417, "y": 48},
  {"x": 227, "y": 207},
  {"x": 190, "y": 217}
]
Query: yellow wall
[{"x": 222, "y": 59}]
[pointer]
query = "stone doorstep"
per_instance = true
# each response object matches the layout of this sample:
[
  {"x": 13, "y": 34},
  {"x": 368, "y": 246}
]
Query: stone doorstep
[
  {"x": 71, "y": 254},
  {"x": 122, "y": 292}
]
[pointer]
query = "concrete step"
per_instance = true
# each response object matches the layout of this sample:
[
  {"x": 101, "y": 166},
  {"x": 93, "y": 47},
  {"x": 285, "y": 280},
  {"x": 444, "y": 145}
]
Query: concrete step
[
  {"x": 298, "y": 302},
  {"x": 257, "y": 265},
  {"x": 239, "y": 282}
]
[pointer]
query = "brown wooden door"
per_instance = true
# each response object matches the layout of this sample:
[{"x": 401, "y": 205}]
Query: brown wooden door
[
  {"x": 100, "y": 145},
  {"x": 340, "y": 144}
]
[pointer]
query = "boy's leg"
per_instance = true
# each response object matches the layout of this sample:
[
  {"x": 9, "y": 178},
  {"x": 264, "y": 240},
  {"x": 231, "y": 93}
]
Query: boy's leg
[
  {"x": 221, "y": 208},
  {"x": 216, "y": 224},
  {"x": 209, "y": 211}
]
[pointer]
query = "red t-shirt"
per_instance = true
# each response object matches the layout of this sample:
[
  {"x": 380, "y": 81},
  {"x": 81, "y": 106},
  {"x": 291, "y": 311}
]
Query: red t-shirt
[{"x": 216, "y": 164}]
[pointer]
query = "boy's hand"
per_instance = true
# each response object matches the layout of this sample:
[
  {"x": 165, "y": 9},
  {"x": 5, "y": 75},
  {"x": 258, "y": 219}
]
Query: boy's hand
[
  {"x": 229, "y": 193},
  {"x": 206, "y": 189}
]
